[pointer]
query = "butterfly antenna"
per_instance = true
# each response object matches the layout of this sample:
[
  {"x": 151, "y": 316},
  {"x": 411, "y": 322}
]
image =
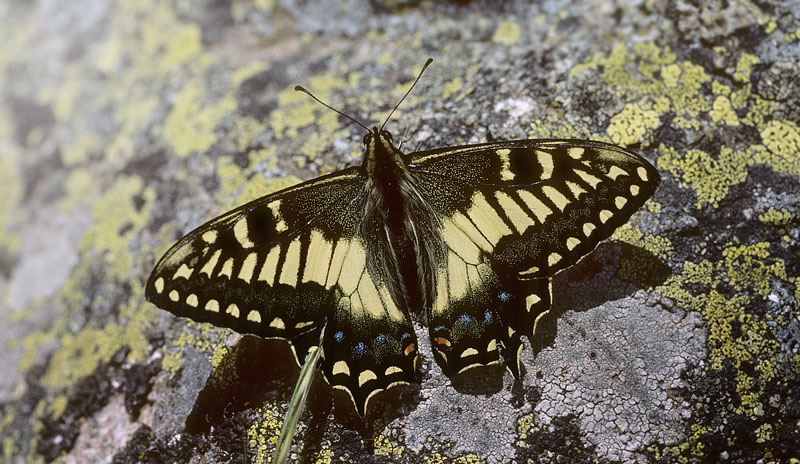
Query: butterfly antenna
[
  {"x": 303, "y": 89},
  {"x": 430, "y": 60}
]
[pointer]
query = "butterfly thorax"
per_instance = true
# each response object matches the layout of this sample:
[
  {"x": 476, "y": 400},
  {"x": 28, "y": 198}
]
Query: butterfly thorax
[{"x": 402, "y": 224}]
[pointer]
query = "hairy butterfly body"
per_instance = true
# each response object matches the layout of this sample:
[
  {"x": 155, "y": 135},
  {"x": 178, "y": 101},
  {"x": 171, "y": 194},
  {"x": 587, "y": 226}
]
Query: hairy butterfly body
[{"x": 469, "y": 236}]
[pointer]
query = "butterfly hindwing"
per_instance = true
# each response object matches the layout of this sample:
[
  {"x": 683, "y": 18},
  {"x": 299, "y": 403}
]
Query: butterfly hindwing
[
  {"x": 363, "y": 366},
  {"x": 513, "y": 214},
  {"x": 284, "y": 265},
  {"x": 480, "y": 311},
  {"x": 370, "y": 343}
]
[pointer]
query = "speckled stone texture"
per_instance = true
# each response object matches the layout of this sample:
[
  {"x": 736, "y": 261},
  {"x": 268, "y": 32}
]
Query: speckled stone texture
[{"x": 124, "y": 124}]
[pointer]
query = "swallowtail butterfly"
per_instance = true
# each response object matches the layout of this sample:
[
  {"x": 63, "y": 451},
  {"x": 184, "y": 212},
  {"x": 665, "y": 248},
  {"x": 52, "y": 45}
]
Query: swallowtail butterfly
[{"x": 469, "y": 235}]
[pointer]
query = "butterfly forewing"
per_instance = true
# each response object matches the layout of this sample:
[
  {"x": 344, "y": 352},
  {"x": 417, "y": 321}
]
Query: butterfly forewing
[
  {"x": 243, "y": 269},
  {"x": 538, "y": 205},
  {"x": 514, "y": 214}
]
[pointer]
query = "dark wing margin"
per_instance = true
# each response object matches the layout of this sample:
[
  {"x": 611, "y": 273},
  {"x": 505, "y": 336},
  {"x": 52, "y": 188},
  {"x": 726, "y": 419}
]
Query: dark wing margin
[
  {"x": 284, "y": 265},
  {"x": 514, "y": 214}
]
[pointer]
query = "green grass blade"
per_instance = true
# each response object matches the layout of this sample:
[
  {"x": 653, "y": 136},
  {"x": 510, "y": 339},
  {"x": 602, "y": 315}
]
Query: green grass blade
[{"x": 298, "y": 402}]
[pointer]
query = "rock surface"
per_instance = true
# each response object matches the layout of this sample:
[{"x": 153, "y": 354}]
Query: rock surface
[{"x": 125, "y": 124}]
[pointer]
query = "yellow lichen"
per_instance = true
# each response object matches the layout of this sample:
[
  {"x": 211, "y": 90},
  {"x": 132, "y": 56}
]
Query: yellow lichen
[
  {"x": 750, "y": 267},
  {"x": 700, "y": 273},
  {"x": 671, "y": 74},
  {"x": 797, "y": 293},
  {"x": 118, "y": 219},
  {"x": 162, "y": 42},
  {"x": 763, "y": 433},
  {"x": 296, "y": 110},
  {"x": 386, "y": 58},
  {"x": 172, "y": 362},
  {"x": 245, "y": 130},
  {"x": 204, "y": 338},
  {"x": 525, "y": 426},
  {"x": 80, "y": 189},
  {"x": 9, "y": 449},
  {"x": 190, "y": 126},
  {"x": 247, "y": 71},
  {"x": 452, "y": 87},
  {"x": 434, "y": 458},
  {"x": 57, "y": 405},
  {"x": 718, "y": 88},
  {"x": 745, "y": 66},
  {"x": 553, "y": 126},
  {"x": 186, "y": 43},
  {"x": 721, "y": 111},
  {"x": 782, "y": 138},
  {"x": 236, "y": 189},
  {"x": 634, "y": 124},
  {"x": 662, "y": 84},
  {"x": 741, "y": 97},
  {"x": 695, "y": 439},
  {"x": 106, "y": 246},
  {"x": 760, "y": 110},
  {"x": 384, "y": 446},
  {"x": 223, "y": 362},
  {"x": 79, "y": 354},
  {"x": 470, "y": 458},
  {"x": 655, "y": 244},
  {"x": 507, "y": 33},
  {"x": 710, "y": 177},
  {"x": 776, "y": 218},
  {"x": 736, "y": 337},
  {"x": 676, "y": 451},
  {"x": 262, "y": 436},
  {"x": 653, "y": 206},
  {"x": 79, "y": 149}
]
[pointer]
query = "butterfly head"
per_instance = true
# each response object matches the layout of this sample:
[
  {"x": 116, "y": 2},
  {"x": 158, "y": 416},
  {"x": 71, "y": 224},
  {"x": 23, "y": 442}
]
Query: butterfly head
[
  {"x": 380, "y": 151},
  {"x": 377, "y": 135}
]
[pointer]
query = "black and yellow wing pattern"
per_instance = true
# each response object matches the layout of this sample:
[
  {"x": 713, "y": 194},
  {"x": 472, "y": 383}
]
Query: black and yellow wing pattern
[
  {"x": 469, "y": 236},
  {"x": 514, "y": 214},
  {"x": 284, "y": 265}
]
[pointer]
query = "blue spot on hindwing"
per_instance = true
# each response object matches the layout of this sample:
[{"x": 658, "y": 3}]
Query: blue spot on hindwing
[
  {"x": 464, "y": 319},
  {"x": 382, "y": 339},
  {"x": 487, "y": 317},
  {"x": 360, "y": 349},
  {"x": 338, "y": 336},
  {"x": 504, "y": 297}
]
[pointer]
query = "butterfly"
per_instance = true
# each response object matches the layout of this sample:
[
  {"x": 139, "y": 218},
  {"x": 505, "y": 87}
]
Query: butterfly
[{"x": 469, "y": 236}]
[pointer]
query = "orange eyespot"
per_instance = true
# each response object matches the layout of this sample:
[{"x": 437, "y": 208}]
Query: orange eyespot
[{"x": 410, "y": 349}]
